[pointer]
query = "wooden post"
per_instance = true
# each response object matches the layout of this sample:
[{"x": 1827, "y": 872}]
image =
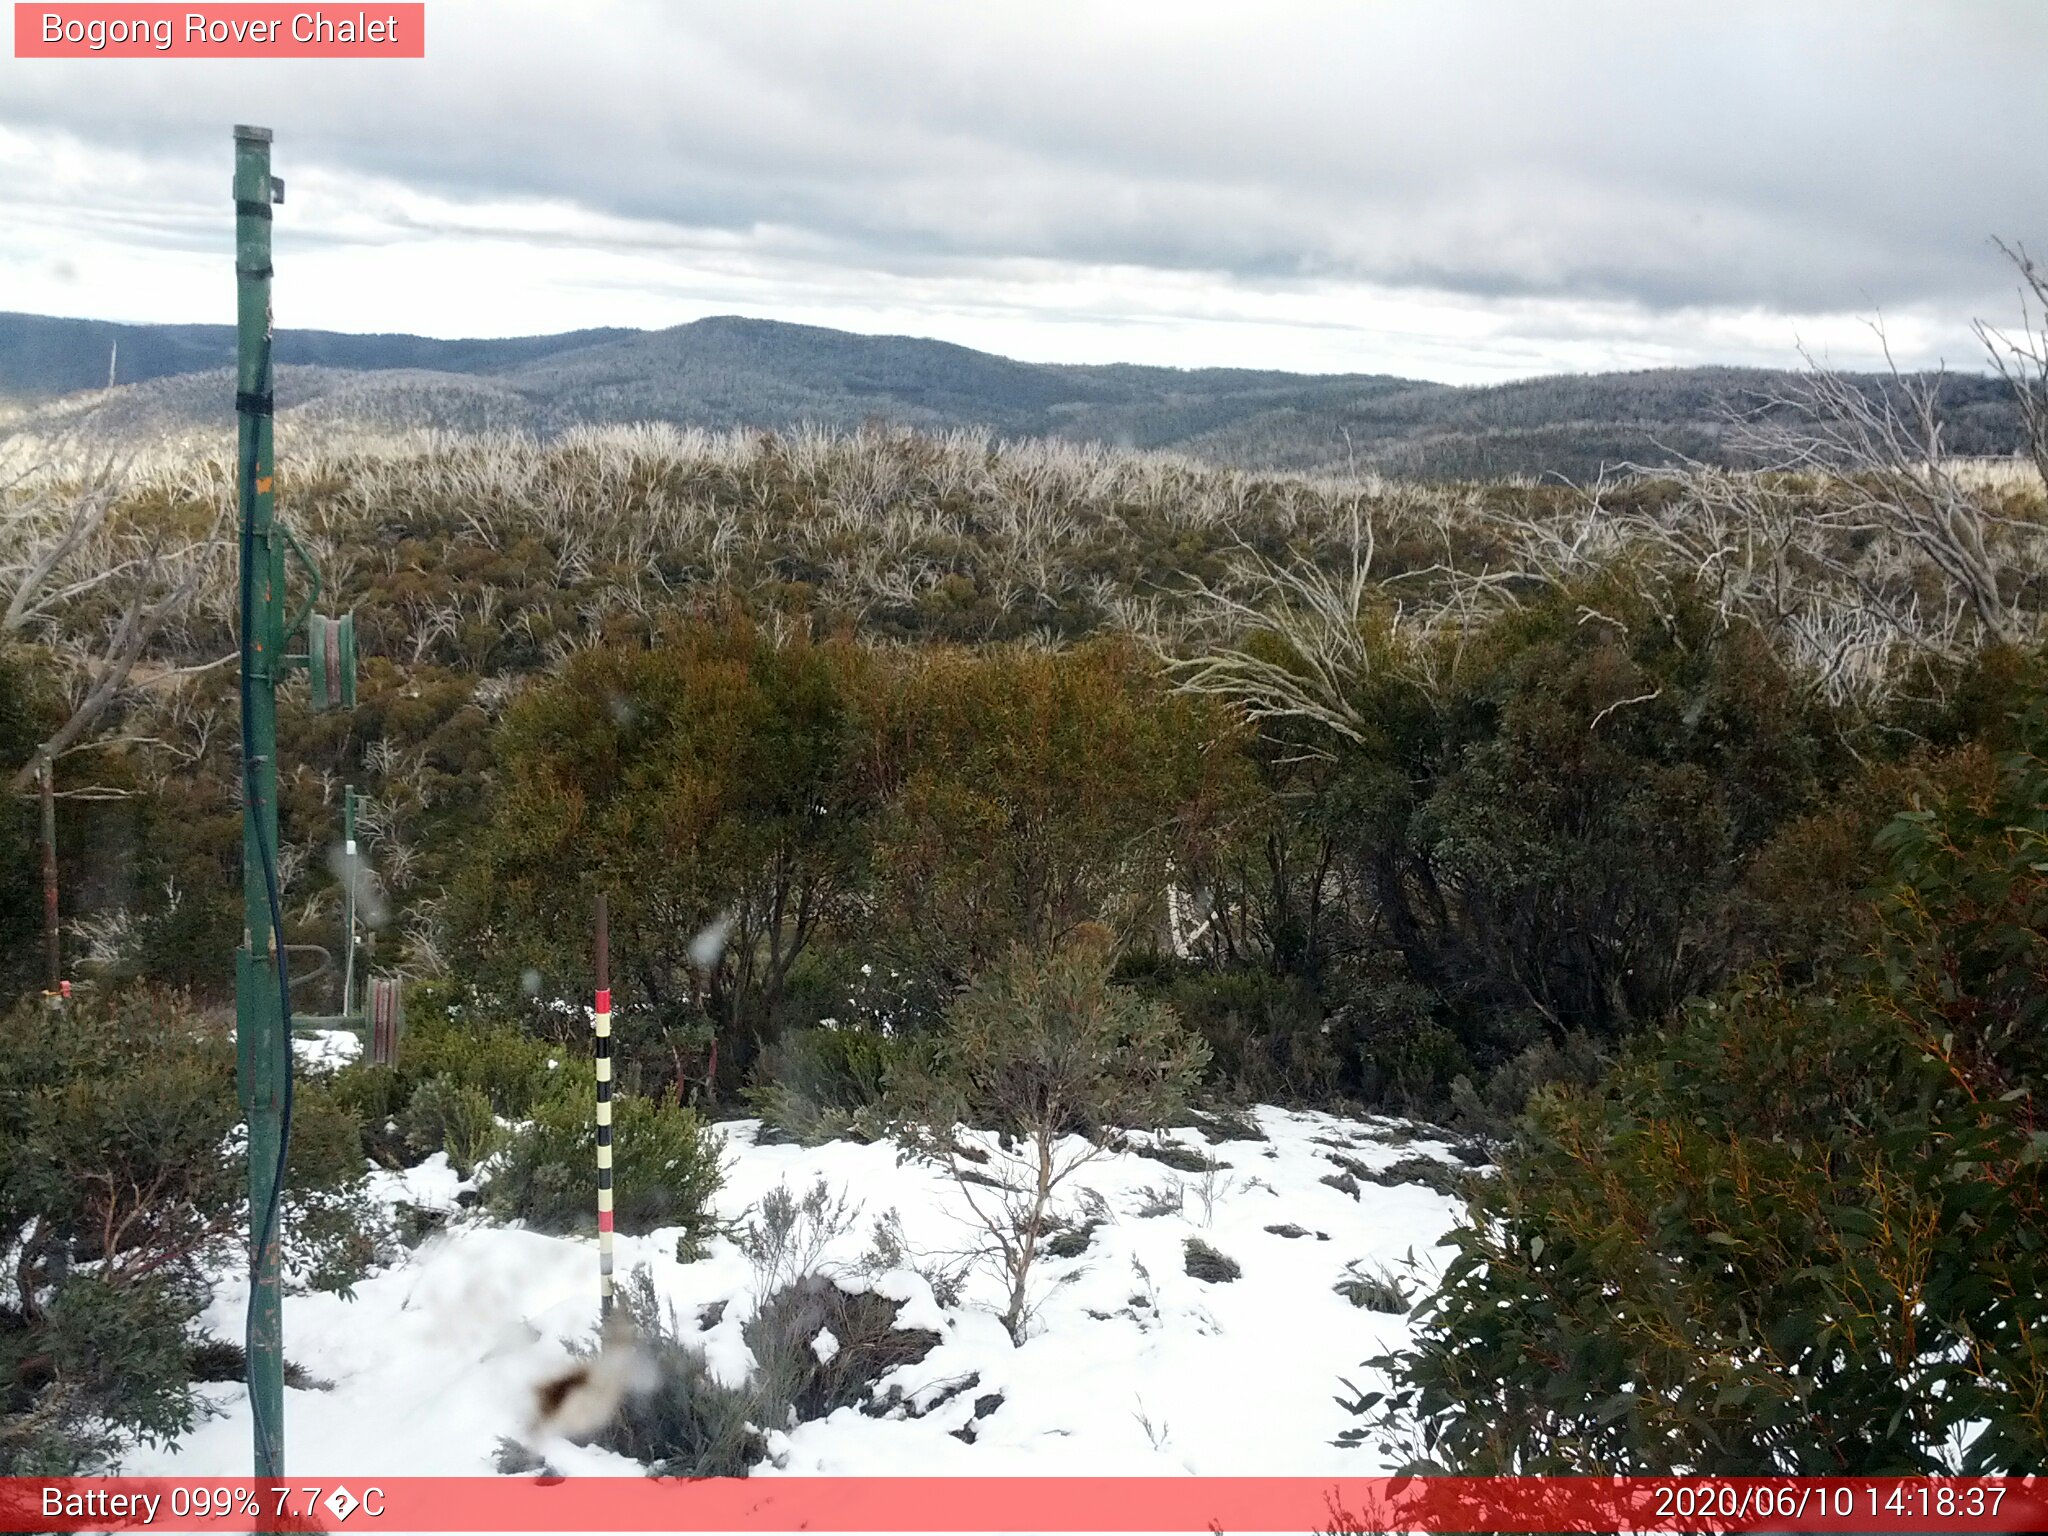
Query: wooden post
[{"x": 602, "y": 1022}]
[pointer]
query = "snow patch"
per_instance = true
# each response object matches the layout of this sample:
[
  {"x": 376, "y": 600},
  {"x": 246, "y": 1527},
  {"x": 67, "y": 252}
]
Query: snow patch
[{"x": 1128, "y": 1365}]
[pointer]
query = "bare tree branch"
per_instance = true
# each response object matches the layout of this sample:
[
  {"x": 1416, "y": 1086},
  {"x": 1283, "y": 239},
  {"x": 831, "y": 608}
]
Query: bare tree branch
[{"x": 60, "y": 547}]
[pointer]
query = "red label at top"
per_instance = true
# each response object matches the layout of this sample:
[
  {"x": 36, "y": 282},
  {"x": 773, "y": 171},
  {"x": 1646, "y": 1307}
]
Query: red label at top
[{"x": 103, "y": 31}]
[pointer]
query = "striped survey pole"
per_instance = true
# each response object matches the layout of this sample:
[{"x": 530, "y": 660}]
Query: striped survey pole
[{"x": 603, "y": 1025}]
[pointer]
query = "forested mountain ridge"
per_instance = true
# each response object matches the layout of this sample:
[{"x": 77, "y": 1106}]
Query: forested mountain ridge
[{"x": 728, "y": 371}]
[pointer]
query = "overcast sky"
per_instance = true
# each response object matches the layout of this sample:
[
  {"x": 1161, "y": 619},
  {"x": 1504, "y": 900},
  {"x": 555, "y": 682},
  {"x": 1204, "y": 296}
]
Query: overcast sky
[{"x": 1457, "y": 191}]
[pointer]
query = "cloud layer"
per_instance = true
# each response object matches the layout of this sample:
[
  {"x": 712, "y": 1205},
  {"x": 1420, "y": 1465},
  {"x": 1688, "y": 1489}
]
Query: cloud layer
[{"x": 1458, "y": 190}]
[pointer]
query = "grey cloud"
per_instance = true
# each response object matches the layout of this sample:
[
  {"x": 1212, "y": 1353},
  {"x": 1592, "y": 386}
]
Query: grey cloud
[{"x": 1809, "y": 157}]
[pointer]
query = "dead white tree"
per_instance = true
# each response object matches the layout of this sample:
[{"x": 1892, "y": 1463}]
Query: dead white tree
[
  {"x": 2021, "y": 355},
  {"x": 1891, "y": 495},
  {"x": 93, "y": 590},
  {"x": 1320, "y": 620},
  {"x": 1884, "y": 471}
]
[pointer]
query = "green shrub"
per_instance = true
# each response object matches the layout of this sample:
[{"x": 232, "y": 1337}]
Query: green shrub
[
  {"x": 1491, "y": 1109},
  {"x": 1547, "y": 833},
  {"x": 785, "y": 1236},
  {"x": 102, "y": 1361},
  {"x": 468, "y": 1043},
  {"x": 665, "y": 1166},
  {"x": 1206, "y": 1263},
  {"x": 336, "y": 1229},
  {"x": 1374, "y": 1289},
  {"x": 783, "y": 1335},
  {"x": 1800, "y": 1230},
  {"x": 116, "y": 1196},
  {"x": 691, "y": 1424},
  {"x": 1266, "y": 1034},
  {"x": 688, "y": 1423},
  {"x": 445, "y": 1116},
  {"x": 1048, "y": 1052},
  {"x": 826, "y": 1083},
  {"x": 713, "y": 780},
  {"x": 1411, "y": 1066},
  {"x": 1034, "y": 792}
]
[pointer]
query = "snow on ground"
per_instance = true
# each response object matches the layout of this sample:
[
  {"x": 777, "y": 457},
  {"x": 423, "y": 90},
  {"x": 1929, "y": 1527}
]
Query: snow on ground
[
  {"x": 1131, "y": 1366},
  {"x": 322, "y": 1050}
]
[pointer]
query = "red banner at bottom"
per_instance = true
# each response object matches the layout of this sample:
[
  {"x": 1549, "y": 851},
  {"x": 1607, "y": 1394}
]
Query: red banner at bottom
[{"x": 975, "y": 1504}]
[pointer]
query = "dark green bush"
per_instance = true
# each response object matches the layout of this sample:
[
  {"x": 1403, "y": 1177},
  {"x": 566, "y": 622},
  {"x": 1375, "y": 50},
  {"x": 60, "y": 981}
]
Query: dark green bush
[
  {"x": 1800, "y": 1230},
  {"x": 1204, "y": 1262},
  {"x": 1490, "y": 1109},
  {"x": 691, "y": 1424},
  {"x": 783, "y": 1335},
  {"x": 665, "y": 1166},
  {"x": 1267, "y": 1034},
  {"x": 116, "y": 1195},
  {"x": 1537, "y": 827},
  {"x": 468, "y": 1043},
  {"x": 102, "y": 1361},
  {"x": 445, "y": 1116},
  {"x": 821, "y": 1084},
  {"x": 714, "y": 784},
  {"x": 1374, "y": 1288}
]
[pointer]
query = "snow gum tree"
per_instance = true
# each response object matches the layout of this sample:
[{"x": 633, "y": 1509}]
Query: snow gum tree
[
  {"x": 710, "y": 785},
  {"x": 1059, "y": 1062}
]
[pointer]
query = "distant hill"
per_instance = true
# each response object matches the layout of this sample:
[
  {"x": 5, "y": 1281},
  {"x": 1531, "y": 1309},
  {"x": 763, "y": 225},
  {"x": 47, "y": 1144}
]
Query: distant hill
[
  {"x": 42, "y": 357},
  {"x": 729, "y": 372}
]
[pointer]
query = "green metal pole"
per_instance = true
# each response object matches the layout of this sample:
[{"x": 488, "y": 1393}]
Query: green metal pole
[
  {"x": 53, "y": 935},
  {"x": 349, "y": 874},
  {"x": 263, "y": 1044}
]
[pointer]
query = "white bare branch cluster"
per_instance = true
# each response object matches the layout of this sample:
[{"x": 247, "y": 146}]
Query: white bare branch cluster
[
  {"x": 496, "y": 551},
  {"x": 2021, "y": 355},
  {"x": 1320, "y": 619},
  {"x": 97, "y": 588}
]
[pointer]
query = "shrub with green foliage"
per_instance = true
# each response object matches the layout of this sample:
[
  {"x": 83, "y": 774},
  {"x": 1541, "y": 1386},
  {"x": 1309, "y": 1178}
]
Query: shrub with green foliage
[
  {"x": 783, "y": 1335},
  {"x": 446, "y": 1116},
  {"x": 1800, "y": 1231},
  {"x": 1490, "y": 1108},
  {"x": 118, "y": 1187},
  {"x": 712, "y": 785},
  {"x": 1530, "y": 827},
  {"x": 691, "y": 1424},
  {"x": 1047, "y": 1051},
  {"x": 665, "y": 1166},
  {"x": 103, "y": 1362},
  {"x": 1033, "y": 793},
  {"x": 1266, "y": 1034},
  {"x": 825, "y": 1083},
  {"x": 460, "y": 1040}
]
